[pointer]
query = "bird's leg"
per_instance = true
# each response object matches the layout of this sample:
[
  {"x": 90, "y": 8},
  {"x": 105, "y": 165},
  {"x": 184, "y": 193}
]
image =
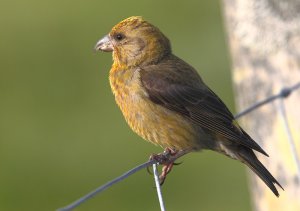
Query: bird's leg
[
  {"x": 166, "y": 169},
  {"x": 167, "y": 159}
]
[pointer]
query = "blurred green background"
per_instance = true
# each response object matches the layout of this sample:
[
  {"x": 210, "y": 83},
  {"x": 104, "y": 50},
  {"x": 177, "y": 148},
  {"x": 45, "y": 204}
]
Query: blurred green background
[{"x": 61, "y": 134}]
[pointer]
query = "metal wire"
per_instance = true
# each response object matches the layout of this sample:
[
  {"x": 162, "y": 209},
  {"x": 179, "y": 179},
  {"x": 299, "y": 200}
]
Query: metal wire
[
  {"x": 157, "y": 184},
  {"x": 290, "y": 138},
  {"x": 285, "y": 92},
  {"x": 105, "y": 186}
]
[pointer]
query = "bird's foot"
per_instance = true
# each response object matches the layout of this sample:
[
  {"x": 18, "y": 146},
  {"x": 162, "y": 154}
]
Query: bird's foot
[{"x": 167, "y": 159}]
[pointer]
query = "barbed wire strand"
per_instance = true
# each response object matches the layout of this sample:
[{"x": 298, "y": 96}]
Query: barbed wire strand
[
  {"x": 157, "y": 184},
  {"x": 290, "y": 138},
  {"x": 285, "y": 92}
]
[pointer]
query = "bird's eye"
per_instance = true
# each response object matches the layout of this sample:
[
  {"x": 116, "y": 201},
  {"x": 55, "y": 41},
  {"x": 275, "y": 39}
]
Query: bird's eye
[{"x": 119, "y": 37}]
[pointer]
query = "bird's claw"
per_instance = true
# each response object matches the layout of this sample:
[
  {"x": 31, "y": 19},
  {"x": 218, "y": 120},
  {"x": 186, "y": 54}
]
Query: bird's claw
[
  {"x": 149, "y": 170},
  {"x": 166, "y": 159}
]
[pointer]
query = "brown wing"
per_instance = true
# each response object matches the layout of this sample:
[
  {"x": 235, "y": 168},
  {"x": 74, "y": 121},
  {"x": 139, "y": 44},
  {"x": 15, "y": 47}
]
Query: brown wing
[{"x": 194, "y": 100}]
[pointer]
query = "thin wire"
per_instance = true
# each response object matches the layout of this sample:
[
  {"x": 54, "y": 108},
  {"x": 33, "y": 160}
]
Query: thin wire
[
  {"x": 289, "y": 136},
  {"x": 285, "y": 92},
  {"x": 105, "y": 186},
  {"x": 157, "y": 184}
]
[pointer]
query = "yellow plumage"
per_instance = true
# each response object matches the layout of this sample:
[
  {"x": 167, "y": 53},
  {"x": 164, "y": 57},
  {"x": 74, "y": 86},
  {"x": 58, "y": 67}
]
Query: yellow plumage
[{"x": 151, "y": 121}]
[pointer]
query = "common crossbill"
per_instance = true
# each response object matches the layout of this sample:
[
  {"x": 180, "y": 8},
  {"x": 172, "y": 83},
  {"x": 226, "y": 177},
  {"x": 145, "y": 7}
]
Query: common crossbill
[{"x": 165, "y": 101}]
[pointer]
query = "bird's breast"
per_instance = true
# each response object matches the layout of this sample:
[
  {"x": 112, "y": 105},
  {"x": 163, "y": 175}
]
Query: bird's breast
[{"x": 149, "y": 120}]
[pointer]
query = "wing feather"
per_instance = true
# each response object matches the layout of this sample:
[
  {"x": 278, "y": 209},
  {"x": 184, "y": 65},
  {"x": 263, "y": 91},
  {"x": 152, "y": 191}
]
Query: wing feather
[{"x": 196, "y": 102}]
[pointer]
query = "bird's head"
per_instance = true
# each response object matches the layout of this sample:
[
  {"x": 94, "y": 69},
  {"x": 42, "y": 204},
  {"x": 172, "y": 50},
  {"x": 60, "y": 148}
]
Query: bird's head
[{"x": 135, "y": 42}]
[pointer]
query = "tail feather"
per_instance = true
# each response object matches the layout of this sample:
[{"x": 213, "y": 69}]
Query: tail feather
[{"x": 248, "y": 157}]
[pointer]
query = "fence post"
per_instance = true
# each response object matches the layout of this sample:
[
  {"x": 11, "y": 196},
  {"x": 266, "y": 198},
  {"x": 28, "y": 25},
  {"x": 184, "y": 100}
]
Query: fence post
[{"x": 264, "y": 40}]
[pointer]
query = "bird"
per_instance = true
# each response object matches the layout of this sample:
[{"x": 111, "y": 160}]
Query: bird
[{"x": 166, "y": 102}]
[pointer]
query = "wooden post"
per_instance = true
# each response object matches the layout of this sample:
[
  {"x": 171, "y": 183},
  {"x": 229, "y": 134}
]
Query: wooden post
[{"x": 264, "y": 40}]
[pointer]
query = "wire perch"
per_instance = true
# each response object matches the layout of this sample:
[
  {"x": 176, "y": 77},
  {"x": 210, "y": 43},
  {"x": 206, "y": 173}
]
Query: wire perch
[{"x": 105, "y": 186}]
